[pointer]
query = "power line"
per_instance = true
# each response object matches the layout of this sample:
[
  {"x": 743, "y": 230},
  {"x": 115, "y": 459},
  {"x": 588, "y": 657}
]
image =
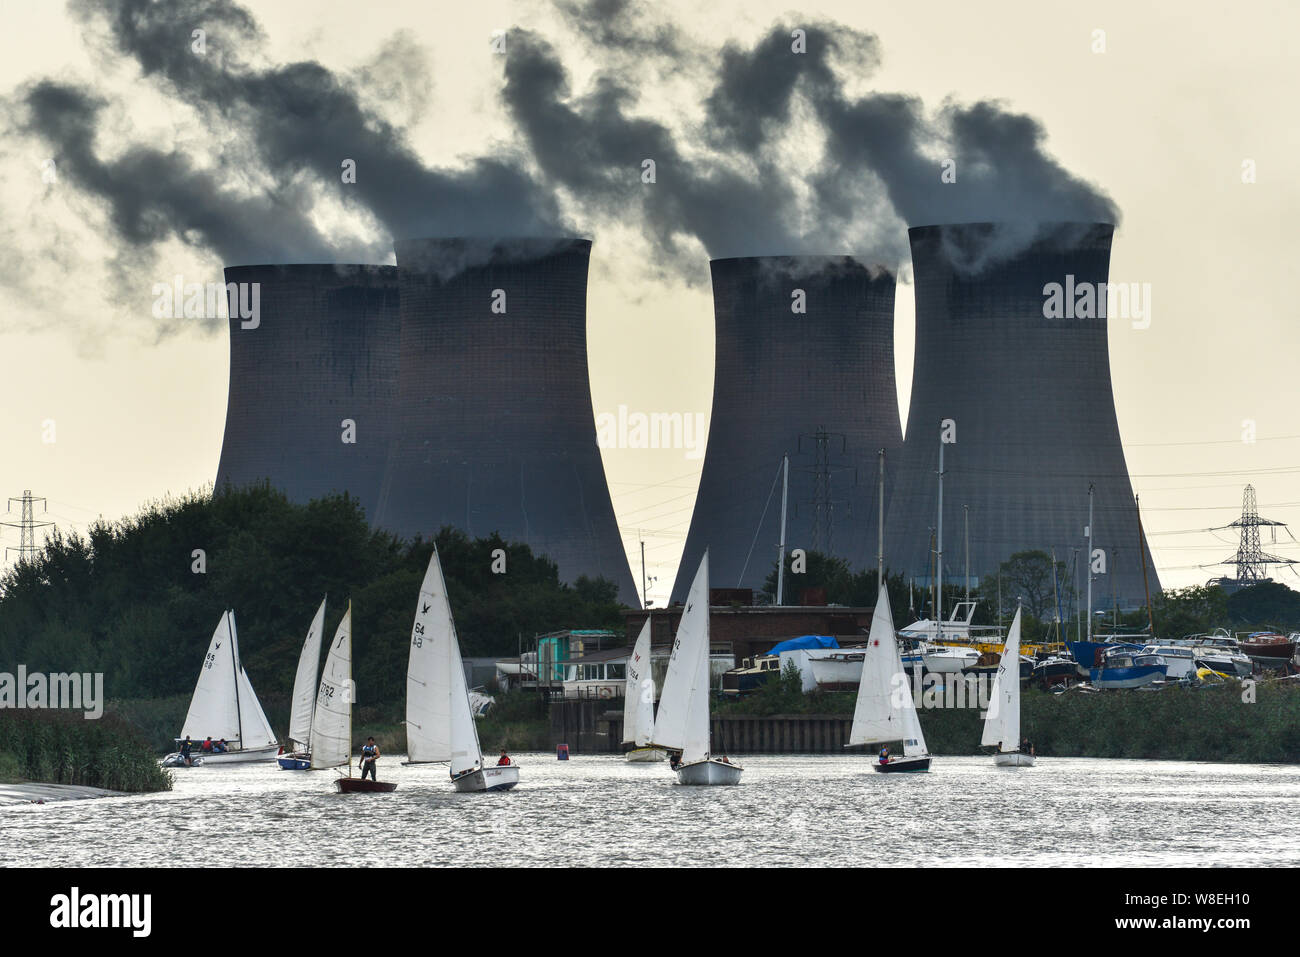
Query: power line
[{"x": 27, "y": 526}]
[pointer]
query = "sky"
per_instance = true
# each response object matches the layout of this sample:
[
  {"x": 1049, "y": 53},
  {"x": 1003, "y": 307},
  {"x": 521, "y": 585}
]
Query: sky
[{"x": 1167, "y": 113}]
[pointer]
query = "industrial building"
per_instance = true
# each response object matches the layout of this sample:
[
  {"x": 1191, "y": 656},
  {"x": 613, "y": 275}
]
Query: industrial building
[
  {"x": 804, "y": 366},
  {"x": 313, "y": 379},
  {"x": 496, "y": 431},
  {"x": 1031, "y": 401}
]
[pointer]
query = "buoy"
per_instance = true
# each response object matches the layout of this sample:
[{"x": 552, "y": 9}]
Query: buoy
[{"x": 562, "y": 752}]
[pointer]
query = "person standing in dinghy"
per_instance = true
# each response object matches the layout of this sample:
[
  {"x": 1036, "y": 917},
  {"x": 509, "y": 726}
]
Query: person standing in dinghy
[{"x": 369, "y": 755}]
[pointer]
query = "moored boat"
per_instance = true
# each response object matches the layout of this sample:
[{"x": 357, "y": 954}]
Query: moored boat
[
  {"x": 1124, "y": 668},
  {"x": 1268, "y": 648}
]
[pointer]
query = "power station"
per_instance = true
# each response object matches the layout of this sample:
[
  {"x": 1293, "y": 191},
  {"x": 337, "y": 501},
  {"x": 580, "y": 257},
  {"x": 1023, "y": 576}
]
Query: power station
[
  {"x": 804, "y": 367},
  {"x": 313, "y": 379},
  {"x": 1026, "y": 386},
  {"x": 494, "y": 420}
]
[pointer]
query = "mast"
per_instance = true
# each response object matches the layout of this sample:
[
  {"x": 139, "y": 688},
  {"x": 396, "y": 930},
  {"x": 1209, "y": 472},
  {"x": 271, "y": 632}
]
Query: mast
[
  {"x": 1088, "y": 563},
  {"x": 938, "y": 613},
  {"x": 965, "y": 518},
  {"x": 234, "y": 663},
  {"x": 880, "y": 526},
  {"x": 780, "y": 564},
  {"x": 644, "y": 603},
  {"x": 1142, "y": 554}
]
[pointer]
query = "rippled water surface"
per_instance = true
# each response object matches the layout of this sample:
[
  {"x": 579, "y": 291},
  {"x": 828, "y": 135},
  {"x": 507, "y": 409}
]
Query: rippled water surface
[{"x": 600, "y": 810}]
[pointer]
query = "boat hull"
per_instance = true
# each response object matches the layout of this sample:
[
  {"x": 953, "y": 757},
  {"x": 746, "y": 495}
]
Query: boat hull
[
  {"x": 1134, "y": 677},
  {"x": 903, "y": 765},
  {"x": 712, "y": 771},
  {"x": 645, "y": 755},
  {"x": 491, "y": 778},
  {"x": 836, "y": 670},
  {"x": 364, "y": 786},
  {"x": 233, "y": 757},
  {"x": 294, "y": 762},
  {"x": 1013, "y": 759},
  {"x": 175, "y": 761}
]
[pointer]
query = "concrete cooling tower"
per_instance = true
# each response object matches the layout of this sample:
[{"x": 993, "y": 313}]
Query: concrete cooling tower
[
  {"x": 804, "y": 365},
  {"x": 1032, "y": 404},
  {"x": 313, "y": 379},
  {"x": 497, "y": 432}
]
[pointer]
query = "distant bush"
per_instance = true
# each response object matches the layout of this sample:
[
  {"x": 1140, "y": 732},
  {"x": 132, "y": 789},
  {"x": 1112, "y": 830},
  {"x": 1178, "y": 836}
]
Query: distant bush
[{"x": 55, "y": 747}]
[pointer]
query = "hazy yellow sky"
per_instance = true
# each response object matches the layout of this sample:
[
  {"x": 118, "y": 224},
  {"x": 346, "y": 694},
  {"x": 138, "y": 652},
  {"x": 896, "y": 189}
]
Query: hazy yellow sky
[{"x": 1162, "y": 121}]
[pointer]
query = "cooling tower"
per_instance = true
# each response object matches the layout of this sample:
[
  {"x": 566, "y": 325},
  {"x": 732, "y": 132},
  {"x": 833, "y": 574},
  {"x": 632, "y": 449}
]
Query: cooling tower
[
  {"x": 1032, "y": 404},
  {"x": 781, "y": 376},
  {"x": 496, "y": 421},
  {"x": 321, "y": 349}
]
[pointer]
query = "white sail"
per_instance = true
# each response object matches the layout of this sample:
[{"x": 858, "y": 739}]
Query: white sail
[
  {"x": 214, "y": 712},
  {"x": 1002, "y": 721},
  {"x": 639, "y": 693},
  {"x": 254, "y": 729},
  {"x": 466, "y": 752},
  {"x": 885, "y": 710},
  {"x": 305, "y": 683},
  {"x": 683, "y": 719},
  {"x": 331, "y": 728},
  {"x": 428, "y": 671}
]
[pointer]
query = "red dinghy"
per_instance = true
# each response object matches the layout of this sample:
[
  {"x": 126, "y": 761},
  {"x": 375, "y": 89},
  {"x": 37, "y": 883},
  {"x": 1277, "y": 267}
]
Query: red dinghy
[{"x": 360, "y": 786}]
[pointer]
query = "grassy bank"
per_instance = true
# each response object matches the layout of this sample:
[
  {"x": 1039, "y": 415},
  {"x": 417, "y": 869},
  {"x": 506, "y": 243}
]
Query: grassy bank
[
  {"x": 1211, "y": 723},
  {"x": 55, "y": 747}
]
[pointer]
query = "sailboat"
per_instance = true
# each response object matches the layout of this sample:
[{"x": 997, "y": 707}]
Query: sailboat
[
  {"x": 885, "y": 710},
  {"x": 1002, "y": 722},
  {"x": 683, "y": 720},
  {"x": 639, "y": 701},
  {"x": 330, "y": 741},
  {"x": 304, "y": 698},
  {"x": 224, "y": 706},
  {"x": 439, "y": 723}
]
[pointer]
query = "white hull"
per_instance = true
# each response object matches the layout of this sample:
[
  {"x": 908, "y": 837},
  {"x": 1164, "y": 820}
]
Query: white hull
[
  {"x": 491, "y": 778},
  {"x": 833, "y": 668},
  {"x": 711, "y": 771},
  {"x": 1013, "y": 759},
  {"x": 645, "y": 755},
  {"x": 949, "y": 661},
  {"x": 235, "y": 757}
]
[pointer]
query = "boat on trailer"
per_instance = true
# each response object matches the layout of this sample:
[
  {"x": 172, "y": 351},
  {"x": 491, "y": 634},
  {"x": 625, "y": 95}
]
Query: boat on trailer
[
  {"x": 225, "y": 707},
  {"x": 439, "y": 720},
  {"x": 682, "y": 724},
  {"x": 305, "y": 687},
  {"x": 639, "y": 703},
  {"x": 885, "y": 710},
  {"x": 1002, "y": 720}
]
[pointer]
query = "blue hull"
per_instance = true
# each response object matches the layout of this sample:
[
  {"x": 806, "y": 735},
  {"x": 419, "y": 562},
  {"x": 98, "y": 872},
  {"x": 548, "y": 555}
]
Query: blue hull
[
  {"x": 293, "y": 764},
  {"x": 1132, "y": 677}
]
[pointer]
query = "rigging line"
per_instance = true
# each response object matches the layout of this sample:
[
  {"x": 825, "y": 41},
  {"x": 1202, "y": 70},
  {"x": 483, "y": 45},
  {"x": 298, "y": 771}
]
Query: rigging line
[{"x": 758, "y": 531}]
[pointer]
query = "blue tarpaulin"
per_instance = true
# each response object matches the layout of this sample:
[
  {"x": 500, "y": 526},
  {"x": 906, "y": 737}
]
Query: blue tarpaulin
[{"x": 807, "y": 641}]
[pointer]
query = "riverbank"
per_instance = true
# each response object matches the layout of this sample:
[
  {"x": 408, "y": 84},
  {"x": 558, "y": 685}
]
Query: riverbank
[
  {"x": 48, "y": 793},
  {"x": 57, "y": 748}
]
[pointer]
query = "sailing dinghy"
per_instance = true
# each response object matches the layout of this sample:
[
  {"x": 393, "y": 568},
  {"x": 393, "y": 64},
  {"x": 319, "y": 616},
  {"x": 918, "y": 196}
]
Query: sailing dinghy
[
  {"x": 224, "y": 706},
  {"x": 331, "y": 727},
  {"x": 439, "y": 722},
  {"x": 885, "y": 710},
  {"x": 1002, "y": 721},
  {"x": 304, "y": 698},
  {"x": 683, "y": 720},
  {"x": 639, "y": 702}
]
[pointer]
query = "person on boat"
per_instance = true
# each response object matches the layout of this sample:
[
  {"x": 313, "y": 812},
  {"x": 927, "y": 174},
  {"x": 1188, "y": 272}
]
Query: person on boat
[
  {"x": 207, "y": 745},
  {"x": 369, "y": 755},
  {"x": 674, "y": 759},
  {"x": 186, "y": 745},
  {"x": 219, "y": 747},
  {"x": 884, "y": 755},
  {"x": 504, "y": 759}
]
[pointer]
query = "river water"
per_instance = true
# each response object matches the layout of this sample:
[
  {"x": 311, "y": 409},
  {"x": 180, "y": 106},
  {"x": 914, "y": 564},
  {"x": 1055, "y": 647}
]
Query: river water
[{"x": 601, "y": 811}]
